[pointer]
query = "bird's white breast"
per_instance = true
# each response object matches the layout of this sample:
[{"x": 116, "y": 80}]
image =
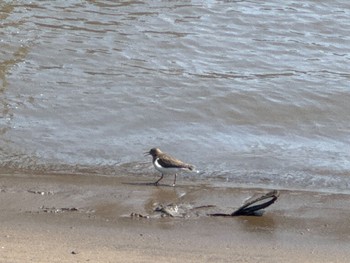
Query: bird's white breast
[{"x": 163, "y": 170}]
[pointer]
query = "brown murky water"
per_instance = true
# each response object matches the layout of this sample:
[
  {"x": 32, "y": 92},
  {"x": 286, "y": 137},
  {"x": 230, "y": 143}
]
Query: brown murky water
[{"x": 254, "y": 93}]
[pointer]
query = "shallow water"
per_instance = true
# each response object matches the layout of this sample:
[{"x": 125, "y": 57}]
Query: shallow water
[{"x": 253, "y": 93}]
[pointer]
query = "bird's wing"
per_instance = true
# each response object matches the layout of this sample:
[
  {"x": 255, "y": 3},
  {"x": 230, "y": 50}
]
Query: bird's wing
[{"x": 170, "y": 162}]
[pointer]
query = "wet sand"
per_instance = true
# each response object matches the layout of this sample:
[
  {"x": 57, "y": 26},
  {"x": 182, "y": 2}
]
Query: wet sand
[{"x": 85, "y": 218}]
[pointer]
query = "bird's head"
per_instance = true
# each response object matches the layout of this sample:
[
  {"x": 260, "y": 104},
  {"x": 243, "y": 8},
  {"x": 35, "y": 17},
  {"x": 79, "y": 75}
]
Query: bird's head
[{"x": 154, "y": 152}]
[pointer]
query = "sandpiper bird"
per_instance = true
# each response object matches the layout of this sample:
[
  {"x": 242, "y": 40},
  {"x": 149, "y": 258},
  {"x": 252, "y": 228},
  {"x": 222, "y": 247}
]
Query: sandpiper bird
[{"x": 167, "y": 164}]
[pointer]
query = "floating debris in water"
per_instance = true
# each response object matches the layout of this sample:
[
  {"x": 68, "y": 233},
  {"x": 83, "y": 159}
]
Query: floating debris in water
[
  {"x": 254, "y": 206},
  {"x": 170, "y": 210},
  {"x": 58, "y": 210},
  {"x": 137, "y": 215},
  {"x": 55, "y": 210},
  {"x": 40, "y": 192}
]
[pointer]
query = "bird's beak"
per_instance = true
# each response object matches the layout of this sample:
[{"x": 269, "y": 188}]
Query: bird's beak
[{"x": 147, "y": 153}]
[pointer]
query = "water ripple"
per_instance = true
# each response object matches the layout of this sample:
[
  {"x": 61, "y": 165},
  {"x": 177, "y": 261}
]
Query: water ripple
[{"x": 256, "y": 93}]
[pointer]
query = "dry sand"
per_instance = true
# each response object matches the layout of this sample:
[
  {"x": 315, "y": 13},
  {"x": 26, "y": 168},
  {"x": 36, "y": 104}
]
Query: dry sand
[{"x": 81, "y": 218}]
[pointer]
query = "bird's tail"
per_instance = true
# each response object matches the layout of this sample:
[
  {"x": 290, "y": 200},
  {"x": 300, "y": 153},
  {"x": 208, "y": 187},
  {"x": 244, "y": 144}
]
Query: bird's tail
[{"x": 193, "y": 169}]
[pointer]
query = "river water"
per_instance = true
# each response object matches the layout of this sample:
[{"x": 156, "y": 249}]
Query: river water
[{"x": 254, "y": 93}]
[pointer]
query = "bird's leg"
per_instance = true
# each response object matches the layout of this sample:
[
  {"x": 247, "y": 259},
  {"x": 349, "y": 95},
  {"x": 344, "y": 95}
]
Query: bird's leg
[
  {"x": 156, "y": 183},
  {"x": 174, "y": 180}
]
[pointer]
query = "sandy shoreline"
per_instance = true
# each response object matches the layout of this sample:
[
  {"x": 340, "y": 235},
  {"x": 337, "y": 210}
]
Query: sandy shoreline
[{"x": 78, "y": 218}]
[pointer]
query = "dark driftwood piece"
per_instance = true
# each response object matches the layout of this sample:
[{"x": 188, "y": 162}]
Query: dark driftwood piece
[{"x": 251, "y": 208}]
